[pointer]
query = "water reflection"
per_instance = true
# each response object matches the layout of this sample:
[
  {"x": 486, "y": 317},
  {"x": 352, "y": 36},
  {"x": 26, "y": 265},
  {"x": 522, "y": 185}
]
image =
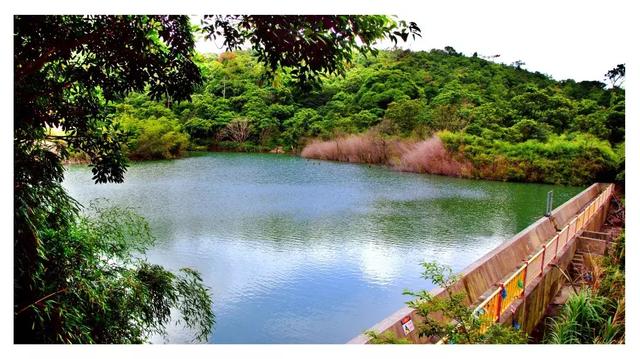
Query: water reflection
[{"x": 300, "y": 251}]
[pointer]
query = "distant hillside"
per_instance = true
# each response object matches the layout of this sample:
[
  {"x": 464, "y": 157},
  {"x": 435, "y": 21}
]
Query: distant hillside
[{"x": 484, "y": 113}]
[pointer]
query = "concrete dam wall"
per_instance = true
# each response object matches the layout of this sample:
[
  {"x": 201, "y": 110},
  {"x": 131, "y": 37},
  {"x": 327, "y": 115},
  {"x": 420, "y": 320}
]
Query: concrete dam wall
[{"x": 530, "y": 257}]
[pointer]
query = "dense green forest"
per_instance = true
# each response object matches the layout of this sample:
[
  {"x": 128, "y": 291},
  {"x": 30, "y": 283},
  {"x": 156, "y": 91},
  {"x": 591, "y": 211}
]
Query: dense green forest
[
  {"x": 79, "y": 276},
  {"x": 108, "y": 87},
  {"x": 498, "y": 121}
]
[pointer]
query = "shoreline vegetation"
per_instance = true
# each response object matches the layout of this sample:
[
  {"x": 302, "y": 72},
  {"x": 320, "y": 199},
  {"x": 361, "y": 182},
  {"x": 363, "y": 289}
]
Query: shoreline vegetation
[
  {"x": 571, "y": 162},
  {"x": 116, "y": 88},
  {"x": 430, "y": 156},
  {"x": 437, "y": 112}
]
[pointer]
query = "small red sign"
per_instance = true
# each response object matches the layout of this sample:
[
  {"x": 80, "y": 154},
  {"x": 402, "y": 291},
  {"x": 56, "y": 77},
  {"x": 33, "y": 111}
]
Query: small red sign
[{"x": 407, "y": 325}]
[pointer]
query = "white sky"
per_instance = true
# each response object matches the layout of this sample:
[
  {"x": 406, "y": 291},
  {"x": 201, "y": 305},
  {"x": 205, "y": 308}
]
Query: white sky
[{"x": 564, "y": 39}]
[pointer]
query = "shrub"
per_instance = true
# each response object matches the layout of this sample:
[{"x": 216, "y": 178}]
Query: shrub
[
  {"x": 593, "y": 123},
  {"x": 450, "y": 317},
  {"x": 238, "y": 130},
  {"x": 385, "y": 338},
  {"x": 300, "y": 125},
  {"x": 431, "y": 156},
  {"x": 365, "y": 119},
  {"x": 577, "y": 160},
  {"x": 531, "y": 130},
  {"x": 200, "y": 128},
  {"x": 153, "y": 138},
  {"x": 353, "y": 148}
]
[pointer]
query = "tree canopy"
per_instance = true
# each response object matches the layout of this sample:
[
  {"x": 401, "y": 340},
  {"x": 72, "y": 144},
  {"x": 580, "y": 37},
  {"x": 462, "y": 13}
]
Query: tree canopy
[
  {"x": 311, "y": 45},
  {"x": 66, "y": 69},
  {"x": 512, "y": 124},
  {"x": 69, "y": 72},
  {"x": 616, "y": 75}
]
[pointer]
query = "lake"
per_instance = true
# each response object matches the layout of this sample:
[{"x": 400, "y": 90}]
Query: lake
[{"x": 306, "y": 251}]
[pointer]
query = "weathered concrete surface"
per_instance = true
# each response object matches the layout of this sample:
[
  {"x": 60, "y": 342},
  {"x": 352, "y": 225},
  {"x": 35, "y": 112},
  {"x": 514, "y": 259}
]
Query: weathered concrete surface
[
  {"x": 529, "y": 310},
  {"x": 479, "y": 278},
  {"x": 597, "y": 235},
  {"x": 562, "y": 215},
  {"x": 540, "y": 292},
  {"x": 593, "y": 246}
]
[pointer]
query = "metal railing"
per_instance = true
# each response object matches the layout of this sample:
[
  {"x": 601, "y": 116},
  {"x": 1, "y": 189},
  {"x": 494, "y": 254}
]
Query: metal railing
[
  {"x": 534, "y": 266},
  {"x": 512, "y": 288},
  {"x": 551, "y": 249},
  {"x": 489, "y": 310},
  {"x": 563, "y": 237}
]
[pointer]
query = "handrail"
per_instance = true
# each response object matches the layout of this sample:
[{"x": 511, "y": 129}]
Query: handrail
[
  {"x": 563, "y": 237},
  {"x": 511, "y": 277},
  {"x": 506, "y": 293},
  {"x": 489, "y": 310},
  {"x": 513, "y": 288},
  {"x": 536, "y": 255},
  {"x": 535, "y": 271},
  {"x": 552, "y": 245},
  {"x": 486, "y": 301}
]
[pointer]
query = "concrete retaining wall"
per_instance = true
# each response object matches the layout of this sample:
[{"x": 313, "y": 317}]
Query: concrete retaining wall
[
  {"x": 529, "y": 310},
  {"x": 563, "y": 214},
  {"x": 479, "y": 278},
  {"x": 540, "y": 292},
  {"x": 593, "y": 246}
]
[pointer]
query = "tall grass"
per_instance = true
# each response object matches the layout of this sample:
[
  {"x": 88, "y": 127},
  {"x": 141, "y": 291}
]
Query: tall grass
[{"x": 583, "y": 319}]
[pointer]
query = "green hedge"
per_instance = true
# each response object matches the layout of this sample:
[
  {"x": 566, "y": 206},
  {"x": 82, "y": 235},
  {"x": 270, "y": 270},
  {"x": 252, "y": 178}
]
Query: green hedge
[{"x": 564, "y": 159}]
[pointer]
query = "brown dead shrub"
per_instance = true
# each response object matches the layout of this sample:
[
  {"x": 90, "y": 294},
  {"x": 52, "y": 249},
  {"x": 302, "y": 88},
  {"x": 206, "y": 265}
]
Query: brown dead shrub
[
  {"x": 430, "y": 156},
  {"x": 352, "y": 148}
]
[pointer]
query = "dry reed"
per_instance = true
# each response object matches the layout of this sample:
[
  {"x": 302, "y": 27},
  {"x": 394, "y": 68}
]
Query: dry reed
[{"x": 428, "y": 156}]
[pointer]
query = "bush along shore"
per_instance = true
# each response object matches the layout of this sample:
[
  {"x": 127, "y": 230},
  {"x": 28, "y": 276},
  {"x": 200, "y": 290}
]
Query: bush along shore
[
  {"x": 438, "y": 112},
  {"x": 575, "y": 161}
]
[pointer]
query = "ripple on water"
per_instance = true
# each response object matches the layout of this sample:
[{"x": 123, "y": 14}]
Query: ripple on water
[{"x": 300, "y": 251}]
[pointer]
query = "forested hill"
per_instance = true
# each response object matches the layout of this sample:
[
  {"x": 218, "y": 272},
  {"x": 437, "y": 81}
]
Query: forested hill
[{"x": 496, "y": 121}]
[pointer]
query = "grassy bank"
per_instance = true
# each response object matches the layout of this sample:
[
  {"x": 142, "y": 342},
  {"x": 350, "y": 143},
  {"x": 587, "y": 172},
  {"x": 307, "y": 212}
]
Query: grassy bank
[{"x": 561, "y": 160}]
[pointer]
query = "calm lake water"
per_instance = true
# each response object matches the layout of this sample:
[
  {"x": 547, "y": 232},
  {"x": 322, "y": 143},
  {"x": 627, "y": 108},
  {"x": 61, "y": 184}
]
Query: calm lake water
[{"x": 306, "y": 251}]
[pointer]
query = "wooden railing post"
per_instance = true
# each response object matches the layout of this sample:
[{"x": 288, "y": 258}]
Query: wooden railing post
[{"x": 557, "y": 242}]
